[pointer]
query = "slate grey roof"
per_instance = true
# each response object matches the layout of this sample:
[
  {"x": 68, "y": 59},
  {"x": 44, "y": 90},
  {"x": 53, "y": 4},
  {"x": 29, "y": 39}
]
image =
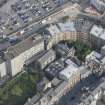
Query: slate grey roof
[{"x": 28, "y": 43}]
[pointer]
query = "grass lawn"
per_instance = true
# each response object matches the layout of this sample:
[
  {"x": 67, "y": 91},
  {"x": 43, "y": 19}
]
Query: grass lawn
[{"x": 17, "y": 91}]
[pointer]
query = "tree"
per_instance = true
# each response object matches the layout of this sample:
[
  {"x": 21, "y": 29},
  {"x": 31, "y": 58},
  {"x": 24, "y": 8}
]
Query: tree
[
  {"x": 65, "y": 19},
  {"x": 17, "y": 91},
  {"x": 81, "y": 49}
]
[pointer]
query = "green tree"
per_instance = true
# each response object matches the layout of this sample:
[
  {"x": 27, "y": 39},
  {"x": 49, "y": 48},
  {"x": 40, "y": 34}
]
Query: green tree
[{"x": 17, "y": 91}]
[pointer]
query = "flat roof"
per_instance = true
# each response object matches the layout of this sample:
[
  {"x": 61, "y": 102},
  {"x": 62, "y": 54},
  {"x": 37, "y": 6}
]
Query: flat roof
[
  {"x": 86, "y": 26},
  {"x": 69, "y": 62},
  {"x": 54, "y": 68},
  {"x": 96, "y": 30},
  {"x": 67, "y": 26},
  {"x": 102, "y": 36},
  {"x": 69, "y": 71},
  {"x": 83, "y": 70},
  {"x": 93, "y": 55}
]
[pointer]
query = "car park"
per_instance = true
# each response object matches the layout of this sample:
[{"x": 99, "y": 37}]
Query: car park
[
  {"x": 72, "y": 98},
  {"x": 35, "y": 8},
  {"x": 23, "y": 12}
]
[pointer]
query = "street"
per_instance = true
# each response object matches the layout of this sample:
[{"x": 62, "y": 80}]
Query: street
[{"x": 76, "y": 94}]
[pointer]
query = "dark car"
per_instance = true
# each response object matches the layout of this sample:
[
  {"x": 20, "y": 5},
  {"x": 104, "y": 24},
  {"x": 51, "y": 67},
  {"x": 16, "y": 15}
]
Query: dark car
[{"x": 72, "y": 98}]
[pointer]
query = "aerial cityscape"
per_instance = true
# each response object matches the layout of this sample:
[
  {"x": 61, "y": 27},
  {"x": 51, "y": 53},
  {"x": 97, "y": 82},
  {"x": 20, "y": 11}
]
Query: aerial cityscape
[{"x": 52, "y": 52}]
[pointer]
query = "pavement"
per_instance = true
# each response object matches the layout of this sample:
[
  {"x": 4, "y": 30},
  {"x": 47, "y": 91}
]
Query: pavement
[
  {"x": 35, "y": 18},
  {"x": 6, "y": 7},
  {"x": 36, "y": 24}
]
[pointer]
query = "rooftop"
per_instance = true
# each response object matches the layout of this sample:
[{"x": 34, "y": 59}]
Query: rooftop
[
  {"x": 67, "y": 26},
  {"x": 94, "y": 96},
  {"x": 55, "y": 81},
  {"x": 69, "y": 62},
  {"x": 96, "y": 30},
  {"x": 48, "y": 54},
  {"x": 42, "y": 85},
  {"x": 103, "y": 60},
  {"x": 53, "y": 29},
  {"x": 54, "y": 68},
  {"x": 86, "y": 26},
  {"x": 33, "y": 100},
  {"x": 102, "y": 1},
  {"x": 49, "y": 94},
  {"x": 93, "y": 55},
  {"x": 60, "y": 87},
  {"x": 23, "y": 46},
  {"x": 103, "y": 35},
  {"x": 70, "y": 70}
]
